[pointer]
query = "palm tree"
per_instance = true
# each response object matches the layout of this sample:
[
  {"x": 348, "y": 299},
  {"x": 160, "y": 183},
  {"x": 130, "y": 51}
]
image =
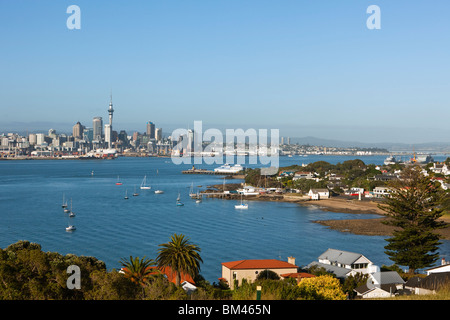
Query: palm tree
[
  {"x": 138, "y": 270},
  {"x": 181, "y": 256}
]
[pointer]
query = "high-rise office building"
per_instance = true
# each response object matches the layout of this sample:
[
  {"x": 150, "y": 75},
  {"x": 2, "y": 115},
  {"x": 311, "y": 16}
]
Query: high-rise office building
[
  {"x": 108, "y": 135},
  {"x": 151, "y": 130},
  {"x": 88, "y": 134},
  {"x": 158, "y": 134},
  {"x": 77, "y": 131},
  {"x": 97, "y": 126}
]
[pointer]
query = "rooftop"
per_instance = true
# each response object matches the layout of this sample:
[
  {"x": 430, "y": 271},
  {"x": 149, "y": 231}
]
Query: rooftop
[{"x": 258, "y": 264}]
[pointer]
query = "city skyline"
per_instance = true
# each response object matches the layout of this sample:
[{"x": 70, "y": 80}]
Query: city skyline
[{"x": 308, "y": 69}]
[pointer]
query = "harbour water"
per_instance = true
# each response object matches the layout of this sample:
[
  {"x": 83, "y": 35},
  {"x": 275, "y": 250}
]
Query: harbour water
[{"x": 110, "y": 227}]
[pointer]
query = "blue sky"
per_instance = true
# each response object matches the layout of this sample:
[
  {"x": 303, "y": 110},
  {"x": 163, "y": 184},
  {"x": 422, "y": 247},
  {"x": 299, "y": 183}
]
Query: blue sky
[{"x": 308, "y": 68}]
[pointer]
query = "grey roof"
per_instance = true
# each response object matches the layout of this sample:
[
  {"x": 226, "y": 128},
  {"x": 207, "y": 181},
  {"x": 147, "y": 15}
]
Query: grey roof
[
  {"x": 340, "y": 256},
  {"x": 434, "y": 281},
  {"x": 385, "y": 287},
  {"x": 338, "y": 271},
  {"x": 388, "y": 277}
]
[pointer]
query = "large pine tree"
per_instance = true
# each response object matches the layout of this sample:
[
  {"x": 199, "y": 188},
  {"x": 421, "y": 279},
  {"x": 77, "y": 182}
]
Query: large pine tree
[{"x": 414, "y": 209}]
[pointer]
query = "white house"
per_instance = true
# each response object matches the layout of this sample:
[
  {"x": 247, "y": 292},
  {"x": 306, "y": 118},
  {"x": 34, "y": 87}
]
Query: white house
[
  {"x": 381, "y": 285},
  {"x": 248, "y": 190},
  {"x": 344, "y": 263},
  {"x": 444, "y": 267},
  {"x": 303, "y": 175},
  {"x": 380, "y": 192},
  {"x": 440, "y": 168},
  {"x": 317, "y": 194}
]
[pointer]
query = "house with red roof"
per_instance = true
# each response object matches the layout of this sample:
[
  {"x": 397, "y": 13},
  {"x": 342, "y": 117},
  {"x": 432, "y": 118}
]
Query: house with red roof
[
  {"x": 186, "y": 280},
  {"x": 249, "y": 269}
]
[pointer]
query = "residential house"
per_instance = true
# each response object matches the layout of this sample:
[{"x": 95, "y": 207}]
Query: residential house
[
  {"x": 186, "y": 281},
  {"x": 385, "y": 177},
  {"x": 441, "y": 168},
  {"x": 430, "y": 284},
  {"x": 343, "y": 263},
  {"x": 444, "y": 267},
  {"x": 303, "y": 175},
  {"x": 335, "y": 177},
  {"x": 380, "y": 192},
  {"x": 381, "y": 285},
  {"x": 249, "y": 269},
  {"x": 285, "y": 174},
  {"x": 317, "y": 194}
]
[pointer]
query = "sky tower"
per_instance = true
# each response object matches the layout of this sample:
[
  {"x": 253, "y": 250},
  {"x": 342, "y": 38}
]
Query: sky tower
[
  {"x": 108, "y": 127},
  {"x": 110, "y": 112}
]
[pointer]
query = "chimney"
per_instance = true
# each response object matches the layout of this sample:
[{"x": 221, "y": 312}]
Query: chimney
[
  {"x": 443, "y": 262},
  {"x": 291, "y": 260}
]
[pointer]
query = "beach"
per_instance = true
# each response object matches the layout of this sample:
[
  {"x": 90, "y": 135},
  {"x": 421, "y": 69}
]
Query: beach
[{"x": 371, "y": 227}]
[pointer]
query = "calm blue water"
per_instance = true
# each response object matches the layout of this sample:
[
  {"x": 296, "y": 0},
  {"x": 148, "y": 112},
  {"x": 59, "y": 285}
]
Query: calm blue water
[{"x": 111, "y": 228}]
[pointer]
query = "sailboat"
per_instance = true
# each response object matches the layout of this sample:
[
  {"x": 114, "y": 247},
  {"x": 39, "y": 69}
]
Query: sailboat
[
  {"x": 241, "y": 206},
  {"x": 158, "y": 191},
  {"x": 144, "y": 184},
  {"x": 199, "y": 198},
  {"x": 71, "y": 214},
  {"x": 64, "y": 203},
  {"x": 126, "y": 195},
  {"x": 67, "y": 210},
  {"x": 191, "y": 191},
  {"x": 179, "y": 204},
  {"x": 135, "y": 194},
  {"x": 118, "y": 183},
  {"x": 71, "y": 228}
]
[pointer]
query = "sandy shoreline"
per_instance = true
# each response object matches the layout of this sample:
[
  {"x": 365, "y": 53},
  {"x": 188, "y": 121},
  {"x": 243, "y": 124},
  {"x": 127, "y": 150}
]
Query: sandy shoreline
[{"x": 371, "y": 227}]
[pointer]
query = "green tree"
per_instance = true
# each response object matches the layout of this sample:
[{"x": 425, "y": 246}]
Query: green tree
[
  {"x": 267, "y": 274},
  {"x": 181, "y": 256},
  {"x": 139, "y": 271},
  {"x": 354, "y": 281},
  {"x": 414, "y": 208}
]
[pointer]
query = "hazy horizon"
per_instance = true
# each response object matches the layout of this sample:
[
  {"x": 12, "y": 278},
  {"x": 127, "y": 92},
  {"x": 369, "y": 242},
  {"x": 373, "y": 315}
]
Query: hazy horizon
[{"x": 305, "y": 68}]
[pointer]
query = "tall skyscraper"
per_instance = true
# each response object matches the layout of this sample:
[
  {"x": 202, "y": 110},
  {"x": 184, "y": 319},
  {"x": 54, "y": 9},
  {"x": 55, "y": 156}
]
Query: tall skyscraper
[
  {"x": 108, "y": 135},
  {"x": 77, "y": 131},
  {"x": 97, "y": 126},
  {"x": 158, "y": 134},
  {"x": 151, "y": 130}
]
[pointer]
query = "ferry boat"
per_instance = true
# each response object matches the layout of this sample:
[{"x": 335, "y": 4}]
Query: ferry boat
[
  {"x": 390, "y": 160},
  {"x": 226, "y": 168}
]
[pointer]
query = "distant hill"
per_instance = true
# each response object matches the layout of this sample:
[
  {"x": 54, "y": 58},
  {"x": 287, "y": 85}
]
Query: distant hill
[{"x": 391, "y": 146}]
